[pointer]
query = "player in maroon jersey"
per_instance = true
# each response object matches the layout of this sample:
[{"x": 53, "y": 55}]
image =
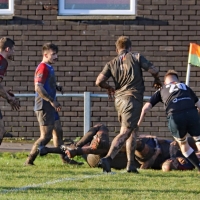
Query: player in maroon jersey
[
  {"x": 6, "y": 52},
  {"x": 46, "y": 105}
]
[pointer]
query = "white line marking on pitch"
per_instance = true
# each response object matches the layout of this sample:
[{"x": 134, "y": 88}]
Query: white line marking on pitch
[{"x": 51, "y": 182}]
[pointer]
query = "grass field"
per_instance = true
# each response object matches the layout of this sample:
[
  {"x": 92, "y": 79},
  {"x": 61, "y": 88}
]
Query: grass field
[{"x": 51, "y": 180}]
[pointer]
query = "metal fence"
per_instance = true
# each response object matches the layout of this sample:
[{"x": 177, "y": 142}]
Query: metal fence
[{"x": 87, "y": 103}]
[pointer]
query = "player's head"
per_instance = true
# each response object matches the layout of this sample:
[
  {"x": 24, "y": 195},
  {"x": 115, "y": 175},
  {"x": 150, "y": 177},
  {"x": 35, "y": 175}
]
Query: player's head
[
  {"x": 170, "y": 164},
  {"x": 49, "y": 52},
  {"x": 170, "y": 76},
  {"x": 123, "y": 43},
  {"x": 7, "y": 46}
]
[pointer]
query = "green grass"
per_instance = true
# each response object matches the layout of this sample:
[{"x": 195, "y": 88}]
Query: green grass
[{"x": 51, "y": 180}]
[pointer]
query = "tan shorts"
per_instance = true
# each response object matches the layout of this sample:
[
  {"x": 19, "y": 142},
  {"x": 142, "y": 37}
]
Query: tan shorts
[
  {"x": 129, "y": 110},
  {"x": 47, "y": 117}
]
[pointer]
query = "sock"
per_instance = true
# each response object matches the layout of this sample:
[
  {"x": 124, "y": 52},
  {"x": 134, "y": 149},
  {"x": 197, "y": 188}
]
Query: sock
[
  {"x": 194, "y": 160},
  {"x": 109, "y": 159}
]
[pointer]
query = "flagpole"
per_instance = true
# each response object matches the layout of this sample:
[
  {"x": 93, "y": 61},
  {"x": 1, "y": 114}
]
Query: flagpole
[{"x": 188, "y": 75}]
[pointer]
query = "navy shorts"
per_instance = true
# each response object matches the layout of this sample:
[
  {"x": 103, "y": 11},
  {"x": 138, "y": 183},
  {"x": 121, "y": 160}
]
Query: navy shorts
[
  {"x": 129, "y": 110},
  {"x": 47, "y": 117},
  {"x": 184, "y": 122}
]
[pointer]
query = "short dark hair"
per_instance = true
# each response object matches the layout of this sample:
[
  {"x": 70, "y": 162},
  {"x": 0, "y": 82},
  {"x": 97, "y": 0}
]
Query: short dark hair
[
  {"x": 6, "y": 42},
  {"x": 171, "y": 72},
  {"x": 48, "y": 46},
  {"x": 123, "y": 42}
]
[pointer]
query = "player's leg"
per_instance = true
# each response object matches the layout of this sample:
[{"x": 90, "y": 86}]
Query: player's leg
[
  {"x": 125, "y": 107},
  {"x": 197, "y": 142},
  {"x": 98, "y": 146},
  {"x": 130, "y": 152},
  {"x": 188, "y": 152},
  {"x": 88, "y": 137},
  {"x": 58, "y": 139},
  {"x": 179, "y": 125},
  {"x": 57, "y": 134},
  {"x": 45, "y": 137},
  {"x": 130, "y": 119},
  {"x": 2, "y": 129},
  {"x": 58, "y": 142},
  {"x": 46, "y": 121}
]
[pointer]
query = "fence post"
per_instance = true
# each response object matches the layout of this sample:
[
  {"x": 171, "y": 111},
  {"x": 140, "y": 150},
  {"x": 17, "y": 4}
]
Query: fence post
[{"x": 87, "y": 102}]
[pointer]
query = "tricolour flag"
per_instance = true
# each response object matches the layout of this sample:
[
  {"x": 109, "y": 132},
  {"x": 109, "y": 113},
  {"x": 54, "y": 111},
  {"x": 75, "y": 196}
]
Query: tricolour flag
[{"x": 194, "y": 55}]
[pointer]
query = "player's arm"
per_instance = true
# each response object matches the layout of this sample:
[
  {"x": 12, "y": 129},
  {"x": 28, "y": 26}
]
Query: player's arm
[
  {"x": 198, "y": 105},
  {"x": 173, "y": 149},
  {"x": 40, "y": 78},
  {"x": 101, "y": 82},
  {"x": 149, "y": 105},
  {"x": 14, "y": 102},
  {"x": 154, "y": 71},
  {"x": 148, "y": 164},
  {"x": 3, "y": 92},
  {"x": 146, "y": 108},
  {"x": 39, "y": 88}
]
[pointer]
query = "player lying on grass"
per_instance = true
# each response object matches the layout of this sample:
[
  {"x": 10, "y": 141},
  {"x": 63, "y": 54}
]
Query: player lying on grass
[
  {"x": 150, "y": 152},
  {"x": 177, "y": 161}
]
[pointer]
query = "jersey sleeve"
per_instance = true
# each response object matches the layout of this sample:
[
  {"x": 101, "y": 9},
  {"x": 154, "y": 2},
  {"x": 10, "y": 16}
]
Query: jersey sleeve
[
  {"x": 144, "y": 63},
  {"x": 3, "y": 67},
  {"x": 41, "y": 74},
  {"x": 106, "y": 71},
  {"x": 156, "y": 98}
]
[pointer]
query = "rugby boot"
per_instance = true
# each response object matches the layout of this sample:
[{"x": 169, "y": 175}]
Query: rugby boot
[
  {"x": 105, "y": 163},
  {"x": 131, "y": 167},
  {"x": 30, "y": 159}
]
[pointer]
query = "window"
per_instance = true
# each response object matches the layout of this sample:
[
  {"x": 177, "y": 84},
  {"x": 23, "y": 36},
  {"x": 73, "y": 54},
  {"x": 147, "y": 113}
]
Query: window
[
  {"x": 97, "y": 7},
  {"x": 6, "y": 7}
]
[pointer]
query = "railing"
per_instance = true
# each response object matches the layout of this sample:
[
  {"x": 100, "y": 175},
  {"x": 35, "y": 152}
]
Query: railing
[{"x": 87, "y": 103}]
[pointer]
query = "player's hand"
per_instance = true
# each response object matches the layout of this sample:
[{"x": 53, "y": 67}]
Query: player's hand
[
  {"x": 56, "y": 105},
  {"x": 157, "y": 83},
  {"x": 182, "y": 160},
  {"x": 10, "y": 93},
  {"x": 13, "y": 101},
  {"x": 59, "y": 88},
  {"x": 111, "y": 92}
]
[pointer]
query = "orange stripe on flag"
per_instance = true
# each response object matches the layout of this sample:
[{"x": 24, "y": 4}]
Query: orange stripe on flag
[{"x": 194, "y": 49}]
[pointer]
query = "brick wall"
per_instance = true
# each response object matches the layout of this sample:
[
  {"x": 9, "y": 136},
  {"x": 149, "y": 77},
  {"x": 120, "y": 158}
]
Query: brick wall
[{"x": 162, "y": 32}]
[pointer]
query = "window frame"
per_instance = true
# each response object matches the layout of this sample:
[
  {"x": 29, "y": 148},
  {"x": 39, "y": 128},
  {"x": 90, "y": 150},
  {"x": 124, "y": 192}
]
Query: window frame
[
  {"x": 69, "y": 12},
  {"x": 10, "y": 10}
]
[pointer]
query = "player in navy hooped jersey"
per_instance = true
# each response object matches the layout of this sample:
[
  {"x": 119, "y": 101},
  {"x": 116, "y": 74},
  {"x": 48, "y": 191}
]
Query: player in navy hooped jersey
[
  {"x": 46, "y": 105},
  {"x": 181, "y": 105}
]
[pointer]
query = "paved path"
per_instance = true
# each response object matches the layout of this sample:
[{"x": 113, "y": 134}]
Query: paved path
[{"x": 17, "y": 146}]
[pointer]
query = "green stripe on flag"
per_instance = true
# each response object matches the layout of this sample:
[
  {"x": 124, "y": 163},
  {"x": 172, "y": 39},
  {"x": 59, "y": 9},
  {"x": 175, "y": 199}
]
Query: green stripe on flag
[{"x": 194, "y": 60}]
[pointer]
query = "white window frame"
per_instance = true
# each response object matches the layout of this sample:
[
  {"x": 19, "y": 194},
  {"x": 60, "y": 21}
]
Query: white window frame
[
  {"x": 63, "y": 11},
  {"x": 8, "y": 11}
]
